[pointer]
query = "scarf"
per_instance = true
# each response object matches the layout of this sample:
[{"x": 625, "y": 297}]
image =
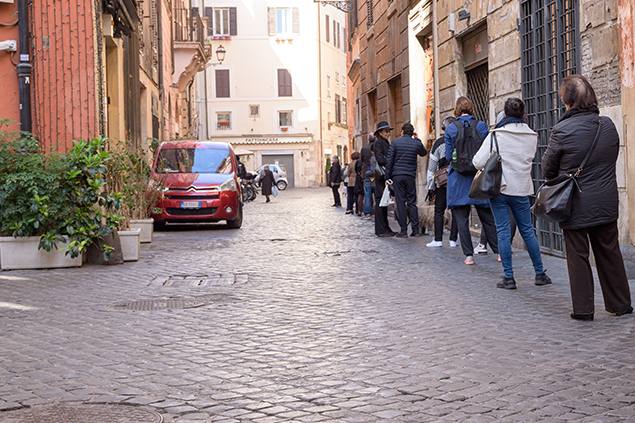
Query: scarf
[{"x": 509, "y": 119}]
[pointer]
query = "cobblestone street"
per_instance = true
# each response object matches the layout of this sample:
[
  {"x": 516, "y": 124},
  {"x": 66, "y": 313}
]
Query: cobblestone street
[{"x": 304, "y": 315}]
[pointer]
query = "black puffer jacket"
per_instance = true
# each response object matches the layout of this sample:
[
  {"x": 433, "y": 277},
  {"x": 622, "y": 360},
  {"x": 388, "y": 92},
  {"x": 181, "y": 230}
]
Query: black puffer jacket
[
  {"x": 402, "y": 156},
  {"x": 570, "y": 141}
]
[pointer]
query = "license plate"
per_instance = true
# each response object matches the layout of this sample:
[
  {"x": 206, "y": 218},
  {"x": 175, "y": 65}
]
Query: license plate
[{"x": 190, "y": 204}]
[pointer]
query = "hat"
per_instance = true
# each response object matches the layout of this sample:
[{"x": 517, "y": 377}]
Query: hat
[{"x": 382, "y": 125}]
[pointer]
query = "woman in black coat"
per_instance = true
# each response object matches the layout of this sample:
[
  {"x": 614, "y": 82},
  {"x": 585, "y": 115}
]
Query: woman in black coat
[
  {"x": 594, "y": 210},
  {"x": 266, "y": 181},
  {"x": 335, "y": 179}
]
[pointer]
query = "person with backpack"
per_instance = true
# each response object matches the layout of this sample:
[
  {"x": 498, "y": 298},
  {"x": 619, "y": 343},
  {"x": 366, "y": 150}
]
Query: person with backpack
[
  {"x": 462, "y": 140},
  {"x": 438, "y": 161}
]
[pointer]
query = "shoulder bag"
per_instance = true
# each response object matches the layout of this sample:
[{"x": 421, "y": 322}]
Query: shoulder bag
[
  {"x": 377, "y": 168},
  {"x": 441, "y": 176},
  {"x": 554, "y": 197},
  {"x": 487, "y": 181}
]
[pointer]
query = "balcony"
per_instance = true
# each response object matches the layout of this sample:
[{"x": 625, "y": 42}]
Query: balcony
[{"x": 190, "y": 51}]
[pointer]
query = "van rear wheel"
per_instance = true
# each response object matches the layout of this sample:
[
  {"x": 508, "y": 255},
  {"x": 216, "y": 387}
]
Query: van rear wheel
[{"x": 282, "y": 185}]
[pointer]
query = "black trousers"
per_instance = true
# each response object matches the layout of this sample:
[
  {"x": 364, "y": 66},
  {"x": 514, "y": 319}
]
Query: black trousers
[
  {"x": 381, "y": 213},
  {"x": 462, "y": 215},
  {"x": 610, "y": 266},
  {"x": 406, "y": 201},
  {"x": 440, "y": 204},
  {"x": 336, "y": 195},
  {"x": 351, "y": 196}
]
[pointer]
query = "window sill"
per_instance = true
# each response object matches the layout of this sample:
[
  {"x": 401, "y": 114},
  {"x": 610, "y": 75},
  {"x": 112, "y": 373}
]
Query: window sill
[{"x": 220, "y": 37}]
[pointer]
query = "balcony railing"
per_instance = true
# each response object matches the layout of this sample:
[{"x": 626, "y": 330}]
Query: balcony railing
[{"x": 189, "y": 26}]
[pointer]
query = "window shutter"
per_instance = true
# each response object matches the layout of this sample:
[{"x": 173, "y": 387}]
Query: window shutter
[
  {"x": 339, "y": 43},
  {"x": 334, "y": 34},
  {"x": 284, "y": 83},
  {"x": 328, "y": 30},
  {"x": 222, "y": 83},
  {"x": 271, "y": 16},
  {"x": 209, "y": 14},
  {"x": 233, "y": 25},
  {"x": 296, "y": 21}
]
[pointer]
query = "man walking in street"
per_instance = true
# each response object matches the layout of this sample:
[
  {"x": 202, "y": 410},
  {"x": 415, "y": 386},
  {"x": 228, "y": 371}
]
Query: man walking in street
[
  {"x": 366, "y": 153},
  {"x": 401, "y": 173},
  {"x": 380, "y": 148}
]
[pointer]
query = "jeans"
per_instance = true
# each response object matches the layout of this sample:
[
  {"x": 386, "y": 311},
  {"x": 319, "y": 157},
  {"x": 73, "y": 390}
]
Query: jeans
[
  {"x": 367, "y": 193},
  {"x": 520, "y": 208}
]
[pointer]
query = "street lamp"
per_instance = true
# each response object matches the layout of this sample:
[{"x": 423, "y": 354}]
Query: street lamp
[{"x": 220, "y": 54}]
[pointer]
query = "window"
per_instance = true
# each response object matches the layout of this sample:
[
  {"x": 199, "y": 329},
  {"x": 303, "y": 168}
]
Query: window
[
  {"x": 369, "y": 13},
  {"x": 285, "y": 119},
  {"x": 328, "y": 86},
  {"x": 283, "y": 21},
  {"x": 223, "y": 121},
  {"x": 337, "y": 78},
  {"x": 338, "y": 39},
  {"x": 344, "y": 39},
  {"x": 254, "y": 110},
  {"x": 338, "y": 109},
  {"x": 221, "y": 21},
  {"x": 335, "y": 33},
  {"x": 222, "y": 83},
  {"x": 344, "y": 112},
  {"x": 328, "y": 29},
  {"x": 285, "y": 86}
]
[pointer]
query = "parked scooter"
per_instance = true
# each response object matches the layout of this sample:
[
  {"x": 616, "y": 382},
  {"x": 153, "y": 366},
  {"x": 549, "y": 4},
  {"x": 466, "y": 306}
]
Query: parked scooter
[{"x": 249, "y": 189}]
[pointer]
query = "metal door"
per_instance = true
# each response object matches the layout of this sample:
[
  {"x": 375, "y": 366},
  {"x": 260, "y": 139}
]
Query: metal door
[
  {"x": 284, "y": 159},
  {"x": 550, "y": 52}
]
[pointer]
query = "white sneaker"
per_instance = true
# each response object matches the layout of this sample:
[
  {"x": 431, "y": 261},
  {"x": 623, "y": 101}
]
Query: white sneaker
[
  {"x": 434, "y": 244},
  {"x": 480, "y": 249},
  {"x": 453, "y": 244}
]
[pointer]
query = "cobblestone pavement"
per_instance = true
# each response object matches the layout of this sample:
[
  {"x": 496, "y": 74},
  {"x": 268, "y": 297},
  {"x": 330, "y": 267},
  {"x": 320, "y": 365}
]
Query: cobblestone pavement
[{"x": 304, "y": 315}]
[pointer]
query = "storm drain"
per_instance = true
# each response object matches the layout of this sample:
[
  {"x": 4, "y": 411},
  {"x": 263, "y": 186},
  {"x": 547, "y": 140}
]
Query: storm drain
[
  {"x": 158, "y": 304},
  {"x": 183, "y": 281},
  {"x": 81, "y": 413}
]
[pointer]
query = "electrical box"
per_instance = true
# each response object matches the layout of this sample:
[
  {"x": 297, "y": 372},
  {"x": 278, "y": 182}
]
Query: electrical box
[{"x": 108, "y": 25}]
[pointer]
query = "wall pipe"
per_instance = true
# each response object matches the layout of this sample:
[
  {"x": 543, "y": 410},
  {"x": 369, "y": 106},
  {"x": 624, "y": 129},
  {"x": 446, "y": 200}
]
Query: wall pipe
[
  {"x": 435, "y": 64},
  {"x": 160, "y": 54},
  {"x": 24, "y": 68}
]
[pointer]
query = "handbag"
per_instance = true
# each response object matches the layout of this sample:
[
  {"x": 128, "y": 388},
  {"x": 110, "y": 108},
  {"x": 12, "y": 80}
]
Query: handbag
[
  {"x": 441, "y": 176},
  {"x": 377, "y": 168},
  {"x": 487, "y": 181},
  {"x": 554, "y": 197}
]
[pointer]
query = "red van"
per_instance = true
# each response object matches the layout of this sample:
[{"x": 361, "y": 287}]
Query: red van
[{"x": 201, "y": 183}]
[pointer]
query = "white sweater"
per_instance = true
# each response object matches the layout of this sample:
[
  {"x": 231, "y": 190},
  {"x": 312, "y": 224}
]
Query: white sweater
[{"x": 517, "y": 147}]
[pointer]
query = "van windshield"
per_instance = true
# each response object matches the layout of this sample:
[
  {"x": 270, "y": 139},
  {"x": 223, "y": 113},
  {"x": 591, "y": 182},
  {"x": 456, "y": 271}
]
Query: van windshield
[{"x": 194, "y": 160}]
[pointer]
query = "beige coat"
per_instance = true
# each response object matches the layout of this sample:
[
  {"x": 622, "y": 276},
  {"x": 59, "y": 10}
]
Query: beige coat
[{"x": 352, "y": 175}]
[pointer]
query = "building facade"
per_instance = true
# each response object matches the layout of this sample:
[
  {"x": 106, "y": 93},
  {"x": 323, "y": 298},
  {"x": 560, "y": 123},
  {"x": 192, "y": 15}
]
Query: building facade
[{"x": 280, "y": 95}]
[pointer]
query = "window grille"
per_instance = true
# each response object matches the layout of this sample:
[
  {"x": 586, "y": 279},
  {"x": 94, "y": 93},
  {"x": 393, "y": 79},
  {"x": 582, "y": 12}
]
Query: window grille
[
  {"x": 369, "y": 13},
  {"x": 550, "y": 52}
]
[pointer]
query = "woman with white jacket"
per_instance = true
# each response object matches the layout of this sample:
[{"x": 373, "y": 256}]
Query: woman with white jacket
[{"x": 517, "y": 148}]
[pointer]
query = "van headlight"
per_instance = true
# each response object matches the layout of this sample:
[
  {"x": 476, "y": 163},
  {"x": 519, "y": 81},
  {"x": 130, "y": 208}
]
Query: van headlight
[{"x": 229, "y": 185}]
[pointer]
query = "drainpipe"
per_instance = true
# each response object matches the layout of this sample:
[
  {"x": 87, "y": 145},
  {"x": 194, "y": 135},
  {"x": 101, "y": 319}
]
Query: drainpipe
[
  {"x": 435, "y": 64},
  {"x": 320, "y": 142},
  {"x": 160, "y": 53},
  {"x": 24, "y": 68}
]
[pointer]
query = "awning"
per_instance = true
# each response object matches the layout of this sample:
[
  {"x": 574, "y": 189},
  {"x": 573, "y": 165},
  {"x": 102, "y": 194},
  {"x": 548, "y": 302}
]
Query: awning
[{"x": 242, "y": 152}]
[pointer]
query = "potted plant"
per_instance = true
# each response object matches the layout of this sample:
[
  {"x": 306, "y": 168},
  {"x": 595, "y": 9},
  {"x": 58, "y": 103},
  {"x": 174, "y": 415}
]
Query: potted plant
[{"x": 53, "y": 199}]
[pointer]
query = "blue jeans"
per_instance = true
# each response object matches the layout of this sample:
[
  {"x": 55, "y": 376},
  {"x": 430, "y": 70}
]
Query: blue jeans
[
  {"x": 367, "y": 193},
  {"x": 520, "y": 208}
]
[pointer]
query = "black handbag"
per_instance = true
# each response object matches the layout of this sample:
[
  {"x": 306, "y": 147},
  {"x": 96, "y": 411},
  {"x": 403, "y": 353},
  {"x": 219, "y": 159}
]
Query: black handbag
[
  {"x": 554, "y": 197},
  {"x": 487, "y": 181},
  {"x": 377, "y": 168}
]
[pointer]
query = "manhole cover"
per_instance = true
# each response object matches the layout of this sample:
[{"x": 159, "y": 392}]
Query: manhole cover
[
  {"x": 81, "y": 413},
  {"x": 162, "y": 304}
]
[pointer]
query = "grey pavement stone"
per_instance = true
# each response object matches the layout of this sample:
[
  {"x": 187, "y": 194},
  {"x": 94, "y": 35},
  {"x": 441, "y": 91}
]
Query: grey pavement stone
[{"x": 307, "y": 316}]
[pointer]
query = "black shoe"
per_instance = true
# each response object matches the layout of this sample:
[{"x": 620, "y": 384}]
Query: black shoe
[
  {"x": 583, "y": 317},
  {"x": 401, "y": 235},
  {"x": 506, "y": 283},
  {"x": 629, "y": 311},
  {"x": 542, "y": 279},
  {"x": 268, "y": 201},
  {"x": 334, "y": 205},
  {"x": 387, "y": 235},
  {"x": 415, "y": 234}
]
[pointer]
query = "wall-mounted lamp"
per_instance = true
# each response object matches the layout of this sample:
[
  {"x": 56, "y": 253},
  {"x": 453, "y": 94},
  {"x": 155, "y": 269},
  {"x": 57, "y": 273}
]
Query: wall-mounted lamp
[
  {"x": 220, "y": 56},
  {"x": 463, "y": 15}
]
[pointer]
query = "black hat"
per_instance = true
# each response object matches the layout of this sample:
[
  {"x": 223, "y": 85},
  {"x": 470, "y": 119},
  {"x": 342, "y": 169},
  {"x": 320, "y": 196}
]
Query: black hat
[{"x": 383, "y": 125}]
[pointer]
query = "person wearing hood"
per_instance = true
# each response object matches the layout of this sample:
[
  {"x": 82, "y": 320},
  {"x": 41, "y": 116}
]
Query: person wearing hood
[
  {"x": 517, "y": 147},
  {"x": 380, "y": 148},
  {"x": 459, "y": 185}
]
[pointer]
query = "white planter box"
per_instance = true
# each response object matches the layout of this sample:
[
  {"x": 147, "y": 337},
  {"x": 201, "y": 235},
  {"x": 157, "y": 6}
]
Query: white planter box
[
  {"x": 130, "y": 244},
  {"x": 22, "y": 253},
  {"x": 146, "y": 226}
]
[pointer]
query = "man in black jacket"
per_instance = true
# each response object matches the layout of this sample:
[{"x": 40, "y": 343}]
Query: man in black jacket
[
  {"x": 380, "y": 147},
  {"x": 401, "y": 167}
]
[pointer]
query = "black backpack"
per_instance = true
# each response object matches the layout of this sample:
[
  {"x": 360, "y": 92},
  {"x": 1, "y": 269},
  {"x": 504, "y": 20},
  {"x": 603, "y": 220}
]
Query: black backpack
[{"x": 468, "y": 142}]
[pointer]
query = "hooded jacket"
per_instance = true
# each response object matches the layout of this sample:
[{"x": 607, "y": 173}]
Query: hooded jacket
[
  {"x": 571, "y": 139},
  {"x": 517, "y": 148}
]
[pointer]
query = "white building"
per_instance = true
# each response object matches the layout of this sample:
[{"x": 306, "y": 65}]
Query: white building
[{"x": 280, "y": 93}]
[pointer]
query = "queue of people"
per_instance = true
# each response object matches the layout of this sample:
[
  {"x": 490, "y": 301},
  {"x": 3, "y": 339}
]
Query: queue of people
[{"x": 451, "y": 169}]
